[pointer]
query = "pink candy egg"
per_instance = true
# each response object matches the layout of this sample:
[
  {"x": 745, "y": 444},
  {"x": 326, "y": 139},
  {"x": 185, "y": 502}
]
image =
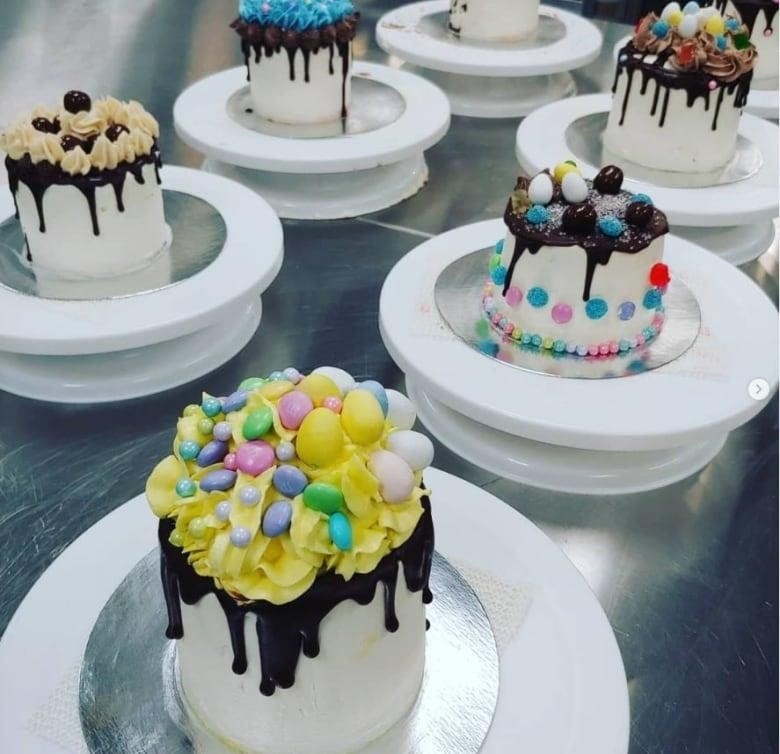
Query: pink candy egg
[
  {"x": 255, "y": 457},
  {"x": 293, "y": 408}
]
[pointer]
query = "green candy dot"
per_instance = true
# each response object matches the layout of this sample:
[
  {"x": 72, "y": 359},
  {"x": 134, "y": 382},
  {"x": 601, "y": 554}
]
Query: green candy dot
[
  {"x": 258, "y": 423},
  {"x": 741, "y": 41},
  {"x": 495, "y": 262},
  {"x": 186, "y": 488},
  {"x": 252, "y": 383},
  {"x": 482, "y": 328},
  {"x": 323, "y": 497},
  {"x": 176, "y": 538},
  {"x": 197, "y": 527},
  {"x": 205, "y": 426}
]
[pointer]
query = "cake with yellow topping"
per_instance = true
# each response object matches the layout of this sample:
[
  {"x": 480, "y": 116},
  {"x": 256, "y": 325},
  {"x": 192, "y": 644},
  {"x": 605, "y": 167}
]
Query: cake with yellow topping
[
  {"x": 296, "y": 542},
  {"x": 86, "y": 186}
]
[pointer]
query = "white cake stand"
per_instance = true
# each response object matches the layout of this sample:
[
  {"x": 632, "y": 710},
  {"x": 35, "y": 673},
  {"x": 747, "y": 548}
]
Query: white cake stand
[
  {"x": 490, "y": 81},
  {"x": 737, "y": 217},
  {"x": 761, "y": 102},
  {"x": 112, "y": 349},
  {"x": 563, "y": 687},
  {"x": 318, "y": 178},
  {"x": 590, "y": 436}
]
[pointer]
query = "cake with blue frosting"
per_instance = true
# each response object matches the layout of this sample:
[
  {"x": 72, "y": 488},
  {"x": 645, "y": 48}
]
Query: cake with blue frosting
[
  {"x": 296, "y": 541},
  {"x": 580, "y": 269},
  {"x": 298, "y": 55}
]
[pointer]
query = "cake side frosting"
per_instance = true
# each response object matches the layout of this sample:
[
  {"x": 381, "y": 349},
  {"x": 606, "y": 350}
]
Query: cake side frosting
[
  {"x": 493, "y": 20},
  {"x": 580, "y": 269}
]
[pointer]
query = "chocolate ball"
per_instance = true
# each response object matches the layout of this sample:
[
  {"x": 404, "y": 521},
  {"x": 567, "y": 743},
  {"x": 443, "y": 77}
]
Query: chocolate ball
[
  {"x": 609, "y": 180},
  {"x": 638, "y": 214},
  {"x": 45, "y": 125},
  {"x": 76, "y": 102},
  {"x": 114, "y": 131},
  {"x": 69, "y": 142},
  {"x": 579, "y": 218}
]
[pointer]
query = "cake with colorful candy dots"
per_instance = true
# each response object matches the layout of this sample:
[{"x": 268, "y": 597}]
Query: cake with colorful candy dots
[
  {"x": 86, "y": 186},
  {"x": 298, "y": 55},
  {"x": 493, "y": 20},
  {"x": 580, "y": 270},
  {"x": 759, "y": 17},
  {"x": 679, "y": 89},
  {"x": 296, "y": 543}
]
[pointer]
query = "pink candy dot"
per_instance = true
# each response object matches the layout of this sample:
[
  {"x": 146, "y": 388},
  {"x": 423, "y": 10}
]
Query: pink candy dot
[
  {"x": 496, "y": 318},
  {"x": 255, "y": 457},
  {"x": 613, "y": 347},
  {"x": 230, "y": 462},
  {"x": 514, "y": 296},
  {"x": 711, "y": 84},
  {"x": 768, "y": 32},
  {"x": 508, "y": 327},
  {"x": 604, "y": 349},
  {"x": 593, "y": 350},
  {"x": 640, "y": 340},
  {"x": 561, "y": 314},
  {"x": 658, "y": 320},
  {"x": 332, "y": 403}
]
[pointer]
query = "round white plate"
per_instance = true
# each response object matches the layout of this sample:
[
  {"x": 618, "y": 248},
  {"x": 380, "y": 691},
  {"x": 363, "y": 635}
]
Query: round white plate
[
  {"x": 541, "y": 143},
  {"x": 739, "y": 244},
  {"x": 118, "y": 376},
  {"x": 695, "y": 398},
  {"x": 761, "y": 102},
  {"x": 202, "y": 121},
  {"x": 563, "y": 686},
  {"x": 399, "y": 33},
  {"x": 245, "y": 268},
  {"x": 554, "y": 467}
]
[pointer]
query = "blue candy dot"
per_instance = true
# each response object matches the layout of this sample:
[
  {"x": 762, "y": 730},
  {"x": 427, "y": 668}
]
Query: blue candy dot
[
  {"x": 660, "y": 28},
  {"x": 691, "y": 8},
  {"x": 186, "y": 488},
  {"x": 499, "y": 274},
  {"x": 211, "y": 406},
  {"x": 500, "y": 246},
  {"x": 596, "y": 308},
  {"x": 537, "y": 215},
  {"x": 641, "y": 199},
  {"x": 626, "y": 310},
  {"x": 732, "y": 24},
  {"x": 240, "y": 536},
  {"x": 188, "y": 450},
  {"x": 721, "y": 42},
  {"x": 250, "y": 496},
  {"x": 488, "y": 347},
  {"x": 536, "y": 340},
  {"x": 559, "y": 346},
  {"x": 648, "y": 332},
  {"x": 652, "y": 299},
  {"x": 537, "y": 297},
  {"x": 624, "y": 345},
  {"x": 526, "y": 339},
  {"x": 611, "y": 226},
  {"x": 340, "y": 531}
]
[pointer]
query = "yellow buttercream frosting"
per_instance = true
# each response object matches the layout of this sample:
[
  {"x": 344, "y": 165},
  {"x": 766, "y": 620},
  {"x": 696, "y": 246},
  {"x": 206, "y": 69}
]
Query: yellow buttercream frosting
[{"x": 227, "y": 535}]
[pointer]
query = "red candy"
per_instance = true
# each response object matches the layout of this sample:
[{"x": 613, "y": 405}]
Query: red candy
[
  {"x": 687, "y": 52},
  {"x": 659, "y": 275}
]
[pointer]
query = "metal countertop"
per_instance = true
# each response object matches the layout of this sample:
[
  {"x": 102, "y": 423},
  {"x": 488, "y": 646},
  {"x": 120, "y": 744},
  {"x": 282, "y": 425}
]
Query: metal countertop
[{"x": 687, "y": 575}]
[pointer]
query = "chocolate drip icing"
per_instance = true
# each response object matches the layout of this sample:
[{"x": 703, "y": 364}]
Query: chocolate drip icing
[
  {"x": 284, "y": 631},
  {"x": 748, "y": 12},
  {"x": 39, "y": 177},
  {"x": 696, "y": 84}
]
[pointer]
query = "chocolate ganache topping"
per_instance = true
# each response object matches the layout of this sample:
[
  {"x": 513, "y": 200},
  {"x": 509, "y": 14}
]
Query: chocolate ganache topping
[
  {"x": 598, "y": 216},
  {"x": 699, "y": 52}
]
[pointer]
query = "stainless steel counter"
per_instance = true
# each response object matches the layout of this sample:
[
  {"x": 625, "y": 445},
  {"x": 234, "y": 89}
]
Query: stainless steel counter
[{"x": 687, "y": 575}]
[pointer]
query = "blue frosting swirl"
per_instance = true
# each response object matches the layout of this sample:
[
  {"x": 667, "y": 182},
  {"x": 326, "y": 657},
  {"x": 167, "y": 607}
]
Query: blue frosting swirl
[{"x": 296, "y": 15}]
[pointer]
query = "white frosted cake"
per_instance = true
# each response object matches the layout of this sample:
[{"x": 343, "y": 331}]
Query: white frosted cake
[
  {"x": 759, "y": 17},
  {"x": 493, "y": 20},
  {"x": 299, "y": 57},
  {"x": 580, "y": 270},
  {"x": 86, "y": 185},
  {"x": 296, "y": 542},
  {"x": 679, "y": 90}
]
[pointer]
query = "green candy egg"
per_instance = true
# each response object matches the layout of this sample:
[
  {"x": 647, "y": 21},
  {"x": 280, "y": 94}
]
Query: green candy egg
[
  {"x": 258, "y": 423},
  {"x": 251, "y": 383},
  {"x": 323, "y": 497}
]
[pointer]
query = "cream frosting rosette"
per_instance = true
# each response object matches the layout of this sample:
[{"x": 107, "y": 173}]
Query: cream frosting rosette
[{"x": 291, "y": 477}]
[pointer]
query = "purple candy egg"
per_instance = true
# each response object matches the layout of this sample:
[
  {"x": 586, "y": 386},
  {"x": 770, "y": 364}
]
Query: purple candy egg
[{"x": 211, "y": 453}]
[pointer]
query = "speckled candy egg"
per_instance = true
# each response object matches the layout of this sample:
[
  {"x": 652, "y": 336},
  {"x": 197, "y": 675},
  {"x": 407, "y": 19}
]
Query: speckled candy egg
[
  {"x": 318, "y": 387},
  {"x": 343, "y": 379},
  {"x": 400, "y": 410},
  {"x": 396, "y": 479},
  {"x": 574, "y": 188},
  {"x": 362, "y": 417},
  {"x": 540, "y": 189},
  {"x": 415, "y": 448},
  {"x": 293, "y": 408},
  {"x": 320, "y": 438}
]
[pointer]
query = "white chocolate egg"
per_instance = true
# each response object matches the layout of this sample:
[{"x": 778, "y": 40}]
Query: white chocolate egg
[
  {"x": 669, "y": 9},
  {"x": 540, "y": 190},
  {"x": 401, "y": 411},
  {"x": 415, "y": 448},
  {"x": 396, "y": 480},
  {"x": 344, "y": 380},
  {"x": 688, "y": 27},
  {"x": 574, "y": 188}
]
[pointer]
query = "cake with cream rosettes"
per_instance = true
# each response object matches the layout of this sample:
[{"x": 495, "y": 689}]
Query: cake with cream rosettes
[
  {"x": 296, "y": 542},
  {"x": 86, "y": 186},
  {"x": 580, "y": 270},
  {"x": 759, "y": 18},
  {"x": 493, "y": 20},
  {"x": 679, "y": 89},
  {"x": 298, "y": 55}
]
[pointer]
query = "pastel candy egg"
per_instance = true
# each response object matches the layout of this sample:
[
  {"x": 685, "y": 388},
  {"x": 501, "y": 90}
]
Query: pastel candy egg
[
  {"x": 343, "y": 379},
  {"x": 540, "y": 189},
  {"x": 323, "y": 497},
  {"x": 674, "y": 18},
  {"x": 400, "y": 410},
  {"x": 285, "y": 451},
  {"x": 211, "y": 453},
  {"x": 234, "y": 402},
  {"x": 691, "y": 8},
  {"x": 276, "y": 520},
  {"x": 362, "y": 417},
  {"x": 378, "y": 391},
  {"x": 293, "y": 375},
  {"x": 396, "y": 480},
  {"x": 257, "y": 423},
  {"x": 289, "y": 480},
  {"x": 320, "y": 438},
  {"x": 318, "y": 387},
  {"x": 715, "y": 25},
  {"x": 415, "y": 448},
  {"x": 688, "y": 27},
  {"x": 220, "y": 479},
  {"x": 276, "y": 376},
  {"x": 255, "y": 457},
  {"x": 340, "y": 531},
  {"x": 188, "y": 450},
  {"x": 273, "y": 391},
  {"x": 251, "y": 383},
  {"x": 293, "y": 408},
  {"x": 574, "y": 188},
  {"x": 563, "y": 168},
  {"x": 669, "y": 9},
  {"x": 223, "y": 431}
]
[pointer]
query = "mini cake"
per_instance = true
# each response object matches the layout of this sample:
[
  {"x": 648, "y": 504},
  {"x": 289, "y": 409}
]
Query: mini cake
[
  {"x": 679, "y": 90},
  {"x": 296, "y": 543},
  {"x": 493, "y": 20},
  {"x": 290, "y": 48},
  {"x": 86, "y": 186},
  {"x": 759, "y": 17},
  {"x": 580, "y": 269}
]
